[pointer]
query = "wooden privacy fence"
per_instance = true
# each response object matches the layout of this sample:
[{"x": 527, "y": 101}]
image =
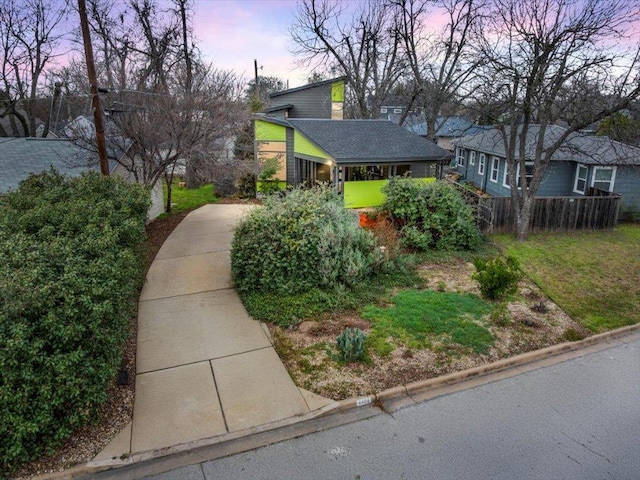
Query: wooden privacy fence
[{"x": 596, "y": 212}]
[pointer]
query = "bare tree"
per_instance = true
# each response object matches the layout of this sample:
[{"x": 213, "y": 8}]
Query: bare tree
[
  {"x": 29, "y": 33},
  {"x": 362, "y": 45},
  {"x": 539, "y": 55},
  {"x": 441, "y": 63},
  {"x": 153, "y": 133}
]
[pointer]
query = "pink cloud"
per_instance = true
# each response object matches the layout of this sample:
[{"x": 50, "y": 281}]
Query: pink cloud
[{"x": 232, "y": 33}]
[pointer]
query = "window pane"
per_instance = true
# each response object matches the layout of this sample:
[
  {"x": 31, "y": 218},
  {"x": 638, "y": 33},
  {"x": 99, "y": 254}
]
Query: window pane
[{"x": 602, "y": 174}]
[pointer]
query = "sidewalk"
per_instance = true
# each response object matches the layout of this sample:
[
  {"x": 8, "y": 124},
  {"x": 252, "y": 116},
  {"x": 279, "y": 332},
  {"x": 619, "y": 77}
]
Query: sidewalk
[{"x": 204, "y": 367}]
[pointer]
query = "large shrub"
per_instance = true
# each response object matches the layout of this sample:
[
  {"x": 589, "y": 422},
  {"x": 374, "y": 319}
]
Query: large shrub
[
  {"x": 70, "y": 272},
  {"x": 303, "y": 240},
  {"x": 430, "y": 216}
]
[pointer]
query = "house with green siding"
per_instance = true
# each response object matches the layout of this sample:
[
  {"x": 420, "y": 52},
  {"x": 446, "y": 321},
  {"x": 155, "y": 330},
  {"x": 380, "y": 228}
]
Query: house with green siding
[{"x": 304, "y": 129}]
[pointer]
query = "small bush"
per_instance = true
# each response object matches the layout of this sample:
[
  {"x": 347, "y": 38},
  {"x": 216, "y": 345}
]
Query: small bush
[
  {"x": 303, "y": 240},
  {"x": 70, "y": 273},
  {"x": 573, "y": 335},
  {"x": 430, "y": 216},
  {"x": 247, "y": 186},
  {"x": 497, "y": 278},
  {"x": 351, "y": 344}
]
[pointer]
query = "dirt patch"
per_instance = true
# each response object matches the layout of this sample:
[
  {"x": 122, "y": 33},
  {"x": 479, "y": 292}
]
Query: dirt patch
[
  {"x": 529, "y": 322},
  {"x": 117, "y": 411}
]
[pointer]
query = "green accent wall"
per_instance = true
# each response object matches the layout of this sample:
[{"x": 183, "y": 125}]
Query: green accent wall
[
  {"x": 267, "y": 131},
  {"x": 304, "y": 146},
  {"x": 337, "y": 91},
  {"x": 368, "y": 193}
]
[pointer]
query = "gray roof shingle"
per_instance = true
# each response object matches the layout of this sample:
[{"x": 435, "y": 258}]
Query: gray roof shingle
[
  {"x": 353, "y": 141},
  {"x": 20, "y": 157},
  {"x": 585, "y": 149}
]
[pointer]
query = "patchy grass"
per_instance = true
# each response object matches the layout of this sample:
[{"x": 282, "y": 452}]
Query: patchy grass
[
  {"x": 593, "y": 276},
  {"x": 418, "y": 318},
  {"x": 287, "y": 310},
  {"x": 189, "y": 198}
]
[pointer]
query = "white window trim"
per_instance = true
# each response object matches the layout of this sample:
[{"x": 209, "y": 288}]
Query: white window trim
[
  {"x": 383, "y": 110},
  {"x": 505, "y": 179},
  {"x": 518, "y": 173},
  {"x": 397, "y": 110},
  {"x": 482, "y": 161},
  {"x": 613, "y": 176},
  {"x": 460, "y": 157},
  {"x": 472, "y": 158},
  {"x": 586, "y": 179},
  {"x": 495, "y": 161}
]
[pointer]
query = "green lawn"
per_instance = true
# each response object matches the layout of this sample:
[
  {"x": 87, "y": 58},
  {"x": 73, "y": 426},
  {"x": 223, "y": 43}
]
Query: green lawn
[
  {"x": 188, "y": 199},
  {"x": 593, "y": 276}
]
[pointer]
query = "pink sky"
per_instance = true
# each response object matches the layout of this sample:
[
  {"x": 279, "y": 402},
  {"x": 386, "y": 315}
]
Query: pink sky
[{"x": 232, "y": 33}]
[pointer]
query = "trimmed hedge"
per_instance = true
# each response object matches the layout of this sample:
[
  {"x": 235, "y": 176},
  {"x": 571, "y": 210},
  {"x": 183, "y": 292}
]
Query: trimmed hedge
[
  {"x": 430, "y": 216},
  {"x": 71, "y": 268},
  {"x": 299, "y": 241}
]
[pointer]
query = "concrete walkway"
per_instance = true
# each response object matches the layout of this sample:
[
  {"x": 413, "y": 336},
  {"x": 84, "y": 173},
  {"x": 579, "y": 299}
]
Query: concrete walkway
[{"x": 204, "y": 367}]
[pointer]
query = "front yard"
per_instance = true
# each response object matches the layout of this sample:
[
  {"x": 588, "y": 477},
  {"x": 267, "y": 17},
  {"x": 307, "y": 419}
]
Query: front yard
[
  {"x": 415, "y": 334},
  {"x": 593, "y": 276}
]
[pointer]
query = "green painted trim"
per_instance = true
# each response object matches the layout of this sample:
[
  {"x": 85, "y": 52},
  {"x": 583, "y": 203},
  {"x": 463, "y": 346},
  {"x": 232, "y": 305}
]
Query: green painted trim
[
  {"x": 270, "y": 132},
  {"x": 368, "y": 193},
  {"x": 337, "y": 91},
  {"x": 304, "y": 146}
]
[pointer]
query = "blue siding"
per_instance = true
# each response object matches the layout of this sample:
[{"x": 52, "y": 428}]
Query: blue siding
[
  {"x": 558, "y": 180},
  {"x": 627, "y": 184}
]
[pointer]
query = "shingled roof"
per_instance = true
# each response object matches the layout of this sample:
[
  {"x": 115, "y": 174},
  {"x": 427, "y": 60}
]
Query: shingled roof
[
  {"x": 585, "y": 149},
  {"x": 366, "y": 141},
  {"x": 20, "y": 157}
]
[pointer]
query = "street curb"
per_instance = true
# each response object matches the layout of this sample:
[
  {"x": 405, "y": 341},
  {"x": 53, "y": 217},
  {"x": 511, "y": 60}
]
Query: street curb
[
  {"x": 421, "y": 387},
  {"x": 335, "y": 414}
]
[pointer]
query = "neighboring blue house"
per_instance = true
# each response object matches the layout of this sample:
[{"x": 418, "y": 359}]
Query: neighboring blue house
[{"x": 585, "y": 162}]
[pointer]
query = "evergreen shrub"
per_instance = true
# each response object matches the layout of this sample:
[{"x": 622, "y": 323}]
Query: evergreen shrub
[
  {"x": 496, "y": 277},
  {"x": 430, "y": 216},
  {"x": 299, "y": 241},
  {"x": 71, "y": 268}
]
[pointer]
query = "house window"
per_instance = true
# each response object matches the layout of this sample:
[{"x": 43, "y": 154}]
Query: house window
[
  {"x": 472, "y": 158},
  {"x": 529, "y": 173},
  {"x": 505, "y": 176},
  {"x": 460, "y": 157},
  {"x": 495, "y": 165},
  {"x": 383, "y": 110},
  {"x": 482, "y": 160},
  {"x": 604, "y": 178},
  {"x": 397, "y": 110},
  {"x": 580, "y": 184}
]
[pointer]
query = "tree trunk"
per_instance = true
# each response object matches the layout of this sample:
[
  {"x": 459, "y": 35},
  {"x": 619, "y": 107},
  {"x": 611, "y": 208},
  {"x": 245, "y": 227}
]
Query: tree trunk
[
  {"x": 168, "y": 181},
  {"x": 523, "y": 217}
]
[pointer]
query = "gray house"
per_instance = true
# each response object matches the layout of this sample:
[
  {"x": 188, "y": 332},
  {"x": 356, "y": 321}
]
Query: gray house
[
  {"x": 305, "y": 131},
  {"x": 582, "y": 164},
  {"x": 21, "y": 157}
]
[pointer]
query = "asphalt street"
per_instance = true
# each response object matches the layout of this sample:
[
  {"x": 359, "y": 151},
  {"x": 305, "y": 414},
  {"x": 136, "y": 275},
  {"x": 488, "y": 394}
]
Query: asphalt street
[{"x": 579, "y": 419}]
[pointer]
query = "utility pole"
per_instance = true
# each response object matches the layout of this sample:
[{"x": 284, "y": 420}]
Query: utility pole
[
  {"x": 93, "y": 81},
  {"x": 257, "y": 89}
]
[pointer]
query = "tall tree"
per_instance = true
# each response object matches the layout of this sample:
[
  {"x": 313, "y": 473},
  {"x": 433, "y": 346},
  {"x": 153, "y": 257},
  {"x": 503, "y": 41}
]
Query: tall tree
[
  {"x": 361, "y": 44},
  {"x": 539, "y": 55},
  {"x": 30, "y": 31},
  {"x": 441, "y": 63}
]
